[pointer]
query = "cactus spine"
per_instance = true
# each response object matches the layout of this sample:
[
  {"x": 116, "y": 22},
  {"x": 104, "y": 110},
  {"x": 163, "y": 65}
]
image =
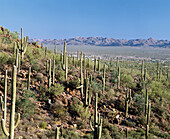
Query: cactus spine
[
  {"x": 12, "y": 125},
  {"x": 103, "y": 79},
  {"x": 49, "y": 74},
  {"x": 97, "y": 129},
  {"x": 29, "y": 79}
]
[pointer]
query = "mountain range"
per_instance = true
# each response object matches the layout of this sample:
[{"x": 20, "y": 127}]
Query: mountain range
[{"x": 101, "y": 41}]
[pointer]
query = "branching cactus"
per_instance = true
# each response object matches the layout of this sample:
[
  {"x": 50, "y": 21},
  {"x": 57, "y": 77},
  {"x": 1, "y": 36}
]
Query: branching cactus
[
  {"x": 97, "y": 124},
  {"x": 81, "y": 77},
  {"x": 24, "y": 42},
  {"x": 4, "y": 102},
  {"x": 65, "y": 67},
  {"x": 29, "y": 79},
  {"x": 103, "y": 79},
  {"x": 12, "y": 124}
]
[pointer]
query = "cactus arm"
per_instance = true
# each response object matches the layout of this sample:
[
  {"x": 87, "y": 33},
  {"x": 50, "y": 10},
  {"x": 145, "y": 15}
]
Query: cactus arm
[
  {"x": 18, "y": 120},
  {"x": 79, "y": 87},
  {"x": 2, "y": 103},
  {"x": 4, "y": 128},
  {"x": 90, "y": 122}
]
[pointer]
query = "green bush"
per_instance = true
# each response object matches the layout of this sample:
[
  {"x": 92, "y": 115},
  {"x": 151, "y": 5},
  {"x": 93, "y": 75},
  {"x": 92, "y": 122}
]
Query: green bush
[
  {"x": 43, "y": 125},
  {"x": 25, "y": 104},
  {"x": 57, "y": 89},
  {"x": 3, "y": 58}
]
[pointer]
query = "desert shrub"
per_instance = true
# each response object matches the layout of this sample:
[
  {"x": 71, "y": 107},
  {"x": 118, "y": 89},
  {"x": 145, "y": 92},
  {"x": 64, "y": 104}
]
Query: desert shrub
[
  {"x": 57, "y": 89},
  {"x": 26, "y": 103},
  {"x": 127, "y": 80},
  {"x": 142, "y": 120},
  {"x": 130, "y": 123},
  {"x": 74, "y": 83},
  {"x": 155, "y": 130},
  {"x": 42, "y": 93},
  {"x": 70, "y": 134},
  {"x": 60, "y": 75},
  {"x": 78, "y": 109},
  {"x": 43, "y": 125},
  {"x": 58, "y": 110},
  {"x": 3, "y": 58},
  {"x": 139, "y": 103}
]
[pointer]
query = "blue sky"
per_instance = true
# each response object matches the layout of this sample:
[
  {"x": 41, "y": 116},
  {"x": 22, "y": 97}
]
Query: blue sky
[{"x": 122, "y": 19}]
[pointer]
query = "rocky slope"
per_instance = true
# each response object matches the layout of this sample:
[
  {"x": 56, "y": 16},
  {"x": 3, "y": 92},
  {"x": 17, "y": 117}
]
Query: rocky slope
[{"x": 100, "y": 41}]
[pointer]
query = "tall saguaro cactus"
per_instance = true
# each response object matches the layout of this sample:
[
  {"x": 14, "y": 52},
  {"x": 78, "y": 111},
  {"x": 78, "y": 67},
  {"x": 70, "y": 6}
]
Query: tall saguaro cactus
[
  {"x": 148, "y": 120},
  {"x": 118, "y": 77},
  {"x": 97, "y": 125},
  {"x": 12, "y": 124},
  {"x": 53, "y": 81},
  {"x": 103, "y": 79},
  {"x": 99, "y": 64},
  {"x": 142, "y": 71},
  {"x": 95, "y": 64},
  {"x": 49, "y": 74}
]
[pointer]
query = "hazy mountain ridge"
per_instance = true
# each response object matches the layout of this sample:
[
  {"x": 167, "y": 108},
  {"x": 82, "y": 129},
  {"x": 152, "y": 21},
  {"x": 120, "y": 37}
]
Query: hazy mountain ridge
[{"x": 100, "y": 41}]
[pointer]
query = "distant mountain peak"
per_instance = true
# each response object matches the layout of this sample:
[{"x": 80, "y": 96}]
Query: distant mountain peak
[{"x": 101, "y": 41}]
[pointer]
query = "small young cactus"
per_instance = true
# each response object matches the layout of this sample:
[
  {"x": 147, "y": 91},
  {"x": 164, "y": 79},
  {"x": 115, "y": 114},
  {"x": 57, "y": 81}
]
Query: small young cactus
[{"x": 29, "y": 79}]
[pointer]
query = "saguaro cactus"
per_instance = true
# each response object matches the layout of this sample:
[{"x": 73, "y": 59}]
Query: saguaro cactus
[
  {"x": 45, "y": 51},
  {"x": 117, "y": 63},
  {"x": 142, "y": 71},
  {"x": 118, "y": 77},
  {"x": 146, "y": 103},
  {"x": 57, "y": 133},
  {"x": 126, "y": 104},
  {"x": 29, "y": 79},
  {"x": 53, "y": 70},
  {"x": 4, "y": 102},
  {"x": 49, "y": 74},
  {"x": 97, "y": 125},
  {"x": 148, "y": 119},
  {"x": 12, "y": 125},
  {"x": 95, "y": 64},
  {"x": 157, "y": 70},
  {"x": 99, "y": 64},
  {"x": 103, "y": 79},
  {"x": 81, "y": 77},
  {"x": 55, "y": 49}
]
